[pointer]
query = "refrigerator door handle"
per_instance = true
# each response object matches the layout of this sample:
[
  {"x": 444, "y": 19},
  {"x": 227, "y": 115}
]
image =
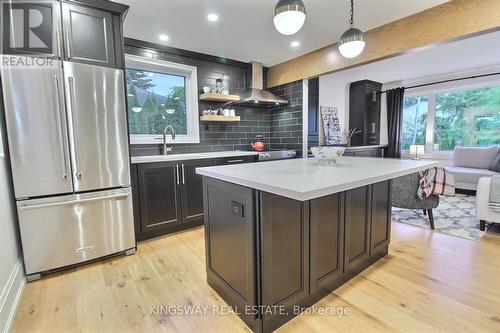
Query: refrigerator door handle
[
  {"x": 74, "y": 202},
  {"x": 68, "y": 46},
  {"x": 58, "y": 41},
  {"x": 71, "y": 86},
  {"x": 60, "y": 128}
]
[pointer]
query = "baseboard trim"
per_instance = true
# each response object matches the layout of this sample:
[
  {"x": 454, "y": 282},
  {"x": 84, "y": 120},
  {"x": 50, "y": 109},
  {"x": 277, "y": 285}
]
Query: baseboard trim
[{"x": 11, "y": 295}]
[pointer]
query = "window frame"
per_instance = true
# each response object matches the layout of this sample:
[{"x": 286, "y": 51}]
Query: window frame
[
  {"x": 431, "y": 92},
  {"x": 191, "y": 91}
]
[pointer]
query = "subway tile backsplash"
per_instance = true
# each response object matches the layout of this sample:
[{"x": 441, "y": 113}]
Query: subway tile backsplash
[{"x": 281, "y": 127}]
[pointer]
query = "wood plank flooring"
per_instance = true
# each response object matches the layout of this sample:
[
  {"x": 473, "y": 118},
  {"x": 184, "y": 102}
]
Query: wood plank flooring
[{"x": 429, "y": 282}]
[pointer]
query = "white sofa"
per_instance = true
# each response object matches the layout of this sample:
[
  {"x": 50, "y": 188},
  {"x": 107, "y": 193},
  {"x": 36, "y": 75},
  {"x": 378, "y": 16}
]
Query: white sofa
[
  {"x": 483, "y": 211},
  {"x": 470, "y": 164}
]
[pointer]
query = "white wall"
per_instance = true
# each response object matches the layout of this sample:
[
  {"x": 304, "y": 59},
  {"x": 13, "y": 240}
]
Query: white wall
[
  {"x": 11, "y": 269},
  {"x": 470, "y": 55}
]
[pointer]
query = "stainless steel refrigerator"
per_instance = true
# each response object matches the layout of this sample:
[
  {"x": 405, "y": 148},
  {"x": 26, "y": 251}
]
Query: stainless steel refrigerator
[{"x": 68, "y": 147}]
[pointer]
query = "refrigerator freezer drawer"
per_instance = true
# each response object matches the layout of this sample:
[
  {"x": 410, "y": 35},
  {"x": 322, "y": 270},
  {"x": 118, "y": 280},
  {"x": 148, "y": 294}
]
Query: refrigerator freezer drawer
[{"x": 62, "y": 231}]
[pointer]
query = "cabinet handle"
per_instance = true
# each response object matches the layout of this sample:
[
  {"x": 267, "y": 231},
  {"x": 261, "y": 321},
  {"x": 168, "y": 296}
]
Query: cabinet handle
[
  {"x": 183, "y": 175},
  {"x": 234, "y": 161},
  {"x": 68, "y": 46},
  {"x": 177, "y": 174}
]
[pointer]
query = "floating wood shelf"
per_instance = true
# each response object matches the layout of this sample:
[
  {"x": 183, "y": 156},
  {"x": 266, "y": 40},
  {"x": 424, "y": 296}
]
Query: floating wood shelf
[
  {"x": 220, "y": 118},
  {"x": 219, "y": 97}
]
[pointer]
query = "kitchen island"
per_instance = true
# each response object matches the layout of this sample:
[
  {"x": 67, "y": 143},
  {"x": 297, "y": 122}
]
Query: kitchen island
[{"x": 282, "y": 235}]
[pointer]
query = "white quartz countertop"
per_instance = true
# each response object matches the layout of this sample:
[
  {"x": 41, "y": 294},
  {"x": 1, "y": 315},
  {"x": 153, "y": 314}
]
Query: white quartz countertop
[
  {"x": 303, "y": 179},
  {"x": 192, "y": 156}
]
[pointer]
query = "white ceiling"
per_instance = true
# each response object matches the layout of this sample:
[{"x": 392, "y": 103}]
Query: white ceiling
[{"x": 245, "y": 30}]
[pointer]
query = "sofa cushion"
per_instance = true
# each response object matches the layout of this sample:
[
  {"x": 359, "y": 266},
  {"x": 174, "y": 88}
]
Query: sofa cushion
[
  {"x": 495, "y": 165},
  {"x": 474, "y": 157},
  {"x": 469, "y": 175}
]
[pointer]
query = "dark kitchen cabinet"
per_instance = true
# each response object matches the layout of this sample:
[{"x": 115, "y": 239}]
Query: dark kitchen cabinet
[
  {"x": 364, "y": 112},
  {"x": 375, "y": 151},
  {"x": 313, "y": 113},
  {"x": 271, "y": 252},
  {"x": 357, "y": 227},
  {"x": 231, "y": 241},
  {"x": 192, "y": 190},
  {"x": 169, "y": 196},
  {"x": 327, "y": 241},
  {"x": 159, "y": 194},
  {"x": 88, "y": 35},
  {"x": 380, "y": 216},
  {"x": 285, "y": 254}
]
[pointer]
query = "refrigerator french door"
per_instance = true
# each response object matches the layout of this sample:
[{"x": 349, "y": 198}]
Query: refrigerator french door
[{"x": 68, "y": 146}]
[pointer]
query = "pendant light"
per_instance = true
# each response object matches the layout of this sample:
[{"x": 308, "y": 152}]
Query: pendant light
[
  {"x": 351, "y": 42},
  {"x": 289, "y": 16}
]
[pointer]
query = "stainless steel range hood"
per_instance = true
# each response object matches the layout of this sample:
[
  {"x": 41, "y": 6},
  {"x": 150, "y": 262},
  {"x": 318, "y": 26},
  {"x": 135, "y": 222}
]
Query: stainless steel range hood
[{"x": 256, "y": 95}]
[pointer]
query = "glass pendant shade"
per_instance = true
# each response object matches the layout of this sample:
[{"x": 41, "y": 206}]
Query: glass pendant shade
[
  {"x": 289, "y": 16},
  {"x": 351, "y": 43}
]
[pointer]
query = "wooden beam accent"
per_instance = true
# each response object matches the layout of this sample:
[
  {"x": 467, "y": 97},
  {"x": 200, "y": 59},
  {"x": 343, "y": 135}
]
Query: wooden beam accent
[{"x": 450, "y": 21}]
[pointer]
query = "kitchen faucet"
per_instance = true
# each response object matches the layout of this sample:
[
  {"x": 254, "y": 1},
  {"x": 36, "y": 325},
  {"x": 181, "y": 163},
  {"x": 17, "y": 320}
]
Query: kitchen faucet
[{"x": 165, "y": 148}]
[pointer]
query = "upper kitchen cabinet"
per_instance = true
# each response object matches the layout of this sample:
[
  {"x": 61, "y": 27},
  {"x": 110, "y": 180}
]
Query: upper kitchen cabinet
[
  {"x": 85, "y": 31},
  {"x": 364, "y": 112},
  {"x": 88, "y": 35}
]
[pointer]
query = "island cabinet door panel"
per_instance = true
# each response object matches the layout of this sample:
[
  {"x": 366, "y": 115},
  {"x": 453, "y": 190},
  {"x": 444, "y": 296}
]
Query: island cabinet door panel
[
  {"x": 284, "y": 229},
  {"x": 192, "y": 190},
  {"x": 357, "y": 227},
  {"x": 327, "y": 241},
  {"x": 230, "y": 243},
  {"x": 381, "y": 215},
  {"x": 159, "y": 184}
]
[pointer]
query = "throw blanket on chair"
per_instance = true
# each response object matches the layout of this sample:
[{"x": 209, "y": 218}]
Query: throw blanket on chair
[
  {"x": 495, "y": 193},
  {"x": 435, "y": 181}
]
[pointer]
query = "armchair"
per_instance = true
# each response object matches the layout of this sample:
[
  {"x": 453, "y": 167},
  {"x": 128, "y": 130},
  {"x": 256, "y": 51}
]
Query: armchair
[{"x": 404, "y": 195}]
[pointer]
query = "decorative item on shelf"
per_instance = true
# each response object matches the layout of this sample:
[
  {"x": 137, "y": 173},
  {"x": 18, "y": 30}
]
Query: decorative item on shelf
[
  {"x": 206, "y": 90},
  {"x": 259, "y": 144},
  {"x": 218, "y": 86},
  {"x": 349, "y": 134},
  {"x": 289, "y": 16},
  {"x": 351, "y": 42},
  {"x": 416, "y": 151},
  {"x": 331, "y": 125},
  {"x": 225, "y": 85},
  {"x": 328, "y": 155}
]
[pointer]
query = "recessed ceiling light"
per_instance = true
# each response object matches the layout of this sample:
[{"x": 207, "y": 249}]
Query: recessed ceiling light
[
  {"x": 295, "y": 44},
  {"x": 212, "y": 17},
  {"x": 163, "y": 37}
]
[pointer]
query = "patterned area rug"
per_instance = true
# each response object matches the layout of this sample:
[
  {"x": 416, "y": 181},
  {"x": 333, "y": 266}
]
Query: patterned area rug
[{"x": 455, "y": 216}]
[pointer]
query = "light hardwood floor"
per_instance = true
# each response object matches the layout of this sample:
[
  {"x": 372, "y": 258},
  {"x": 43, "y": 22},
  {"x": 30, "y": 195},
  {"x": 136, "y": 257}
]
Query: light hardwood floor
[{"x": 429, "y": 282}]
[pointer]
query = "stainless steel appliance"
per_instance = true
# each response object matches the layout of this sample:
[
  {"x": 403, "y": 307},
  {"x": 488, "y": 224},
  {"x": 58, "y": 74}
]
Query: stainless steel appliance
[
  {"x": 277, "y": 155},
  {"x": 67, "y": 136}
]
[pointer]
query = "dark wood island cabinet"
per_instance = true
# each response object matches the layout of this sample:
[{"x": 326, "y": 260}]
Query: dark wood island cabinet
[
  {"x": 282, "y": 235},
  {"x": 271, "y": 252}
]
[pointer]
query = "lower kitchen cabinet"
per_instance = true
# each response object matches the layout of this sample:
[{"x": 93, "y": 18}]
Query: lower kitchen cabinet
[
  {"x": 192, "y": 191},
  {"x": 159, "y": 196},
  {"x": 168, "y": 196}
]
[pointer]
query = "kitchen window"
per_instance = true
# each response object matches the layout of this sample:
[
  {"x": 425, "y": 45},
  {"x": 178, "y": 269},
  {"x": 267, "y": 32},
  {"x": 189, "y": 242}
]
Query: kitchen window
[
  {"x": 443, "y": 120},
  {"x": 161, "y": 93}
]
